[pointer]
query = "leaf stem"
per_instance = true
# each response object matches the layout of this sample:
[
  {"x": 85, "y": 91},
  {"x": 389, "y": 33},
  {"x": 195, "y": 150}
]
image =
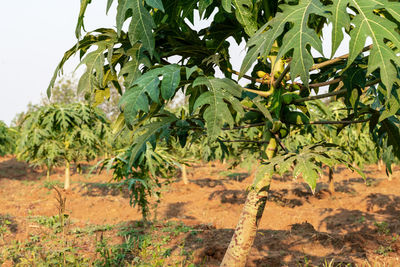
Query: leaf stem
[
  {"x": 338, "y": 92},
  {"x": 276, "y": 136},
  {"x": 280, "y": 78},
  {"x": 336, "y": 59},
  {"x": 262, "y": 81}
]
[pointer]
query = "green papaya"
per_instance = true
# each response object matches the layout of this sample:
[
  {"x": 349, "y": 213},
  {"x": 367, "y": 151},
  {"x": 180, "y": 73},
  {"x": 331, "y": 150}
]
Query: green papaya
[
  {"x": 296, "y": 117},
  {"x": 283, "y": 132},
  {"x": 287, "y": 98},
  {"x": 276, "y": 126},
  {"x": 267, "y": 135},
  {"x": 271, "y": 148}
]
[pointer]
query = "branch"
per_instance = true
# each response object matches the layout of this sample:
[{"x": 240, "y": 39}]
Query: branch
[
  {"x": 276, "y": 136},
  {"x": 310, "y": 123},
  {"x": 337, "y": 59},
  {"x": 280, "y": 78},
  {"x": 304, "y": 99},
  {"x": 244, "y": 141},
  {"x": 325, "y": 83},
  {"x": 335, "y": 122},
  {"x": 244, "y": 126}
]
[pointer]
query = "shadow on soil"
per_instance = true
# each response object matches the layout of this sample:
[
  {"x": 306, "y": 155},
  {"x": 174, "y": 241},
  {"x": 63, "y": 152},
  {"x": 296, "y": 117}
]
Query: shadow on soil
[
  {"x": 274, "y": 248},
  {"x": 177, "y": 210},
  {"x": 103, "y": 189},
  {"x": 8, "y": 222},
  {"x": 17, "y": 170}
]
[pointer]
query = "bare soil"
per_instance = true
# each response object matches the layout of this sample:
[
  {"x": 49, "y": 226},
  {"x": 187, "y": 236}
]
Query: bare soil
[{"x": 359, "y": 224}]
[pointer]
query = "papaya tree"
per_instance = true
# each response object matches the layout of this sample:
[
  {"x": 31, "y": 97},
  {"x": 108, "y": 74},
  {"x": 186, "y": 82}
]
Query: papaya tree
[
  {"x": 157, "y": 53},
  {"x": 59, "y": 134},
  {"x": 8, "y": 137}
]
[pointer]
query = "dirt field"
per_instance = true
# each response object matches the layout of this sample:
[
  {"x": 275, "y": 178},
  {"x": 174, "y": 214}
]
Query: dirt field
[{"x": 358, "y": 224}]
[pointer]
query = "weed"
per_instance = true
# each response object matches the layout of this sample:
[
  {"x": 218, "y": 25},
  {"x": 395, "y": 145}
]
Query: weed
[
  {"x": 383, "y": 227},
  {"x": 91, "y": 229},
  {"x": 4, "y": 226},
  {"x": 176, "y": 228},
  {"x": 360, "y": 220},
  {"x": 52, "y": 184},
  {"x": 52, "y": 222},
  {"x": 384, "y": 250}
]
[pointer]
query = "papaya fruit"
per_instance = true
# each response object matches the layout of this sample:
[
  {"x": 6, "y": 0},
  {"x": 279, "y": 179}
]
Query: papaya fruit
[
  {"x": 271, "y": 148},
  {"x": 276, "y": 126},
  {"x": 283, "y": 132},
  {"x": 287, "y": 98},
  {"x": 296, "y": 117},
  {"x": 267, "y": 136},
  {"x": 262, "y": 74}
]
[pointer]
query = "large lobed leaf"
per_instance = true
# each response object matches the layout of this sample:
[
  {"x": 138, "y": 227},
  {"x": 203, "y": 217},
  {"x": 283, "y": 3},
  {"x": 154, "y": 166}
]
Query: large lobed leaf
[
  {"x": 217, "y": 112},
  {"x": 136, "y": 98},
  {"x": 307, "y": 161},
  {"x": 141, "y": 25},
  {"x": 368, "y": 23},
  {"x": 298, "y": 38}
]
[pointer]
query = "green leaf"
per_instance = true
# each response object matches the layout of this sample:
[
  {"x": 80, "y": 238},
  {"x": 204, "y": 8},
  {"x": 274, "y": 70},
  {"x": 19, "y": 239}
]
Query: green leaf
[
  {"x": 367, "y": 23},
  {"x": 391, "y": 129},
  {"x": 171, "y": 79},
  {"x": 298, "y": 38},
  {"x": 227, "y": 5},
  {"x": 258, "y": 101},
  {"x": 190, "y": 71},
  {"x": 309, "y": 171},
  {"x": 136, "y": 97},
  {"x": 156, "y": 4},
  {"x": 217, "y": 112},
  {"x": 203, "y": 4},
  {"x": 340, "y": 19},
  {"x": 140, "y": 28},
  {"x": 392, "y": 107},
  {"x": 130, "y": 71},
  {"x": 354, "y": 81},
  {"x": 79, "y": 25},
  {"x": 94, "y": 61},
  {"x": 109, "y": 3},
  {"x": 244, "y": 14},
  {"x": 150, "y": 130}
]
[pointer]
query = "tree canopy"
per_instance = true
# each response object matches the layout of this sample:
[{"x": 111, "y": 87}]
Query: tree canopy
[{"x": 283, "y": 76}]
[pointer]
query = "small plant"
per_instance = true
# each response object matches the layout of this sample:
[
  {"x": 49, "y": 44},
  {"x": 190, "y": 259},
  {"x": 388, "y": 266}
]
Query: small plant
[
  {"x": 51, "y": 184},
  {"x": 52, "y": 222},
  {"x": 384, "y": 250},
  {"x": 383, "y": 227}
]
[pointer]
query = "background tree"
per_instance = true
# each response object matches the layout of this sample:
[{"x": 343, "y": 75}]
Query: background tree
[
  {"x": 279, "y": 36},
  {"x": 61, "y": 134},
  {"x": 8, "y": 137}
]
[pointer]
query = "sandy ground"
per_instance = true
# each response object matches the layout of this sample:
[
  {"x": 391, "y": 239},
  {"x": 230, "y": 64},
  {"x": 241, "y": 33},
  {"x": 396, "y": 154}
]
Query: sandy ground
[{"x": 359, "y": 223}]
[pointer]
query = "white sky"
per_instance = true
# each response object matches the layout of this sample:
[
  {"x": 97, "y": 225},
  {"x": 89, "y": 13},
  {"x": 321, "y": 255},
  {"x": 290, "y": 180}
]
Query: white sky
[{"x": 34, "y": 37}]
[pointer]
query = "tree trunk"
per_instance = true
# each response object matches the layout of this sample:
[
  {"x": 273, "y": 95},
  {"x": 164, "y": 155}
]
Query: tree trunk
[
  {"x": 390, "y": 176},
  {"x": 331, "y": 183},
  {"x": 48, "y": 174},
  {"x": 184, "y": 174},
  {"x": 67, "y": 176},
  {"x": 380, "y": 164},
  {"x": 246, "y": 229}
]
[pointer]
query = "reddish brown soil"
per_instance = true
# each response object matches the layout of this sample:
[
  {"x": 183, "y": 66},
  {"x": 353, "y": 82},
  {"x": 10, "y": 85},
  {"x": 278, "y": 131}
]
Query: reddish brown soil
[{"x": 359, "y": 223}]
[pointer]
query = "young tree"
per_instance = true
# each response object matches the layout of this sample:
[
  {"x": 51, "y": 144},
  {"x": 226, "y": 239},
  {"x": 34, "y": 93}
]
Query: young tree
[
  {"x": 62, "y": 133},
  {"x": 279, "y": 36}
]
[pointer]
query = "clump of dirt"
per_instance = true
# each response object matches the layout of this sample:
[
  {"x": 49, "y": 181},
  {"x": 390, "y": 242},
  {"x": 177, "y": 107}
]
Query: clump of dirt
[{"x": 358, "y": 223}]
